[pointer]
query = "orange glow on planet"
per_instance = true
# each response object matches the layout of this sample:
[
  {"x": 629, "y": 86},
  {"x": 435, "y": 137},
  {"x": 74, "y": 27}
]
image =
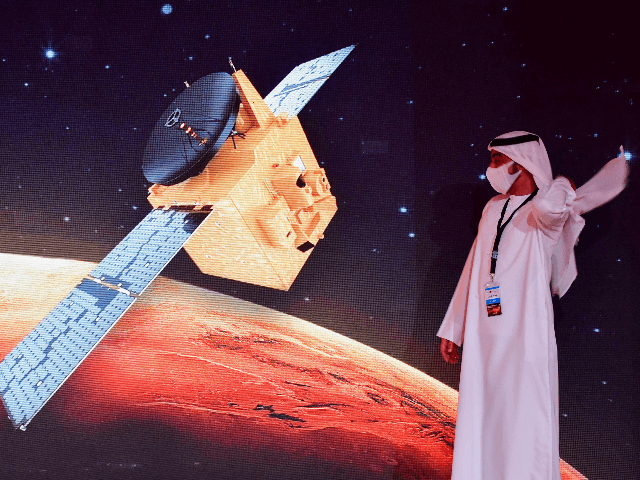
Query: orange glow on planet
[{"x": 227, "y": 374}]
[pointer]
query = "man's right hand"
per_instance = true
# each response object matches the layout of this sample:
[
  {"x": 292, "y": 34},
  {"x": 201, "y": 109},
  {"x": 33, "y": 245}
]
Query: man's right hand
[{"x": 449, "y": 351}]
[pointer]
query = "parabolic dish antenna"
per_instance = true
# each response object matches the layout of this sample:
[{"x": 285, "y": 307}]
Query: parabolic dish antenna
[{"x": 191, "y": 130}]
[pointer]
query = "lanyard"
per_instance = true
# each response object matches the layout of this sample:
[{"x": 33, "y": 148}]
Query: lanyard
[{"x": 501, "y": 227}]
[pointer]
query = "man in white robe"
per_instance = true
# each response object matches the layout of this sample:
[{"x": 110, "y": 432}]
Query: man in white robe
[{"x": 507, "y": 423}]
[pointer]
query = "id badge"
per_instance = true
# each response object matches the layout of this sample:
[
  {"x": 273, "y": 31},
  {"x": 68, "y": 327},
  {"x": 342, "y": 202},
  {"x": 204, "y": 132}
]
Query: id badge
[{"x": 492, "y": 298}]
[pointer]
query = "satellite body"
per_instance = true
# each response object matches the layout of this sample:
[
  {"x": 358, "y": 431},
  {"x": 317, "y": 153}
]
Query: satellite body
[{"x": 269, "y": 201}]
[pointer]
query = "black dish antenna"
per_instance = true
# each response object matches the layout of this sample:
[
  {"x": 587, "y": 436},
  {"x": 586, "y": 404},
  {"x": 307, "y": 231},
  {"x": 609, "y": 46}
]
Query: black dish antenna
[{"x": 191, "y": 130}]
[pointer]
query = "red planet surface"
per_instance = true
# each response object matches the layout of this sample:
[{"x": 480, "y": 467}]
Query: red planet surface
[{"x": 195, "y": 384}]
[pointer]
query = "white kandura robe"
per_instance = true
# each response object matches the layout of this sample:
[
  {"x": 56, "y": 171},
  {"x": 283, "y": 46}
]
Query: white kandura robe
[{"x": 507, "y": 424}]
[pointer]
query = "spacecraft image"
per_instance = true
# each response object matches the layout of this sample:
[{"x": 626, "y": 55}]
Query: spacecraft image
[
  {"x": 230, "y": 231},
  {"x": 273, "y": 170}
]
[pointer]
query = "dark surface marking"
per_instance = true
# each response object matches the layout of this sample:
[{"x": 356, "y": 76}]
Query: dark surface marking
[
  {"x": 219, "y": 338},
  {"x": 297, "y": 384},
  {"x": 377, "y": 398},
  {"x": 264, "y": 407},
  {"x": 416, "y": 404},
  {"x": 338, "y": 377},
  {"x": 273, "y": 361},
  {"x": 284, "y": 416},
  {"x": 279, "y": 416},
  {"x": 324, "y": 405},
  {"x": 445, "y": 436}
]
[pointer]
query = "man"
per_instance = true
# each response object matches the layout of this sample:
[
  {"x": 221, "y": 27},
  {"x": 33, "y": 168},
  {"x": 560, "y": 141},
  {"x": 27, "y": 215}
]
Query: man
[{"x": 507, "y": 424}]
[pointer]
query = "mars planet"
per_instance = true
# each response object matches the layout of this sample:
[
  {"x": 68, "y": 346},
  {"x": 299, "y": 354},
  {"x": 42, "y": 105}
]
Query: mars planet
[{"x": 194, "y": 384}]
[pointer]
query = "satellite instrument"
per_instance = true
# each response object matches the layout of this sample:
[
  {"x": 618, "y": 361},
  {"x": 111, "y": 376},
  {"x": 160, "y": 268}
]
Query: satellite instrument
[{"x": 235, "y": 183}]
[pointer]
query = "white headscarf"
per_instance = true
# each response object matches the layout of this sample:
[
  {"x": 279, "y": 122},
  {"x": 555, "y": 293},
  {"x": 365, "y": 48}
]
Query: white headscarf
[{"x": 603, "y": 187}]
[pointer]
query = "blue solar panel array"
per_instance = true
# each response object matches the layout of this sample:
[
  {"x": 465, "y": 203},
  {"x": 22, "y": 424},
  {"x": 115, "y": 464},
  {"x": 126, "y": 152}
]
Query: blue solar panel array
[
  {"x": 297, "y": 88},
  {"x": 142, "y": 255},
  {"x": 33, "y": 371}
]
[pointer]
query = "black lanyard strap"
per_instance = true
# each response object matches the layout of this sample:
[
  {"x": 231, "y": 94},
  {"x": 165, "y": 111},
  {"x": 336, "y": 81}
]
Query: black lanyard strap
[{"x": 502, "y": 226}]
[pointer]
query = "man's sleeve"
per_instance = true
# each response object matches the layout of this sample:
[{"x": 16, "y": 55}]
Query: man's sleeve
[
  {"x": 452, "y": 327},
  {"x": 552, "y": 204}
]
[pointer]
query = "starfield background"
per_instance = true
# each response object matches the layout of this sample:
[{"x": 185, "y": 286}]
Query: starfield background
[{"x": 401, "y": 128}]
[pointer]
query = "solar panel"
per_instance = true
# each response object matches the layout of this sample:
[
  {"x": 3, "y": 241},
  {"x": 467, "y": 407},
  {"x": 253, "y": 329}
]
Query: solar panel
[
  {"x": 297, "y": 88},
  {"x": 33, "y": 371},
  {"x": 142, "y": 255}
]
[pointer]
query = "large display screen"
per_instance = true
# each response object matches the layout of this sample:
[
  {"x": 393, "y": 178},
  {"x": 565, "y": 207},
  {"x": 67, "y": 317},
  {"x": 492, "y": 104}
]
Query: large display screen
[{"x": 341, "y": 375}]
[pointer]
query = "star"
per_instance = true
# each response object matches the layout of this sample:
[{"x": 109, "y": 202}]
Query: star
[
  {"x": 167, "y": 9},
  {"x": 50, "y": 54}
]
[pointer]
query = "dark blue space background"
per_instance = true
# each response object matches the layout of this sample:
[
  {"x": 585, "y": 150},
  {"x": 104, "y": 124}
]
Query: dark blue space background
[{"x": 402, "y": 129}]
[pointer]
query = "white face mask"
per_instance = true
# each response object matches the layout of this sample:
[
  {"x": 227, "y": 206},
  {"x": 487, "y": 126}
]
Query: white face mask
[{"x": 500, "y": 178}]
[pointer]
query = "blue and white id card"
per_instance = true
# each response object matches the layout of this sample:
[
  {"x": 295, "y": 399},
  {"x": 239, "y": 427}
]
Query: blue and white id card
[{"x": 492, "y": 298}]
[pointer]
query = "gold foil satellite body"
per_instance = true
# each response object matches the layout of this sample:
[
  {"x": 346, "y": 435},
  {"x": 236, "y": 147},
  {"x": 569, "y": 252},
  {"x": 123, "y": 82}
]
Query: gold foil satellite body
[{"x": 269, "y": 201}]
